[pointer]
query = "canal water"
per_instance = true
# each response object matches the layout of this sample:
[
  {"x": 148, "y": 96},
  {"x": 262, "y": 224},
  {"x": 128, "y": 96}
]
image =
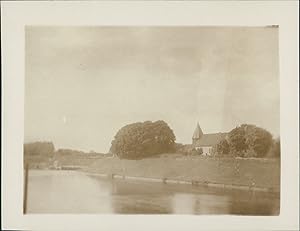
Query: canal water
[{"x": 51, "y": 191}]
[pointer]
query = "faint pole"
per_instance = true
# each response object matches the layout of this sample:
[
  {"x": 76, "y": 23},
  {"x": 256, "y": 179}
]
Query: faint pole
[{"x": 25, "y": 189}]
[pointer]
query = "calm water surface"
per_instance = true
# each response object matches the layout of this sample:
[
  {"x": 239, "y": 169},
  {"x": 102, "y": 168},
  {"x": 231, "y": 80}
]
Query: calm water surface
[{"x": 78, "y": 192}]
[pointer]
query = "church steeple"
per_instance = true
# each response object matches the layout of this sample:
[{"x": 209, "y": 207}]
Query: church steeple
[{"x": 197, "y": 133}]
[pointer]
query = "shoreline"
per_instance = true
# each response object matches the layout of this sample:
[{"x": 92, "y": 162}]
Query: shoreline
[
  {"x": 224, "y": 173},
  {"x": 188, "y": 182}
]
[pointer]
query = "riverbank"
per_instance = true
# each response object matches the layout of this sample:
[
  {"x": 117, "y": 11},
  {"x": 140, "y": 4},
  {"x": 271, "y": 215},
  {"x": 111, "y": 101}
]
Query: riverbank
[
  {"x": 248, "y": 174},
  {"x": 237, "y": 173}
]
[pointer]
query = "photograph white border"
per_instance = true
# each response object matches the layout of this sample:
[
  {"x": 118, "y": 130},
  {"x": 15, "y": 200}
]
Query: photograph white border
[{"x": 16, "y": 15}]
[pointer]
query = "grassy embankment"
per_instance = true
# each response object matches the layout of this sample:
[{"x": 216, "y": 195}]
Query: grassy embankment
[{"x": 261, "y": 173}]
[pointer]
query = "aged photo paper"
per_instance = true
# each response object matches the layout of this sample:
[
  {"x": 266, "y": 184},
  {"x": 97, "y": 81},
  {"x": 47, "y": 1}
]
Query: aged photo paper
[{"x": 150, "y": 113}]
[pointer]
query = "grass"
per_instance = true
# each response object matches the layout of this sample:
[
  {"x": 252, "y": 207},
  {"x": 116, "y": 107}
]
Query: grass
[
  {"x": 230, "y": 171},
  {"x": 249, "y": 172}
]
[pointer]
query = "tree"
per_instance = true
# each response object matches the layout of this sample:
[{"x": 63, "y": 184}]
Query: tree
[
  {"x": 246, "y": 141},
  {"x": 237, "y": 140},
  {"x": 275, "y": 149},
  {"x": 259, "y": 140},
  {"x": 249, "y": 141},
  {"x": 145, "y": 139},
  {"x": 222, "y": 148},
  {"x": 39, "y": 148}
]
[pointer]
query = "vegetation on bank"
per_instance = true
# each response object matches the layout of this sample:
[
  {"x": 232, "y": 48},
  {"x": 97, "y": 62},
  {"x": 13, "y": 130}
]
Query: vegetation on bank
[
  {"x": 44, "y": 155},
  {"x": 248, "y": 141},
  {"x": 140, "y": 140},
  {"x": 152, "y": 139},
  {"x": 39, "y": 148},
  {"x": 245, "y": 141},
  {"x": 226, "y": 169}
]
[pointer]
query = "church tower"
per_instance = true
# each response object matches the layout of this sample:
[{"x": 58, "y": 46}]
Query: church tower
[{"x": 197, "y": 134}]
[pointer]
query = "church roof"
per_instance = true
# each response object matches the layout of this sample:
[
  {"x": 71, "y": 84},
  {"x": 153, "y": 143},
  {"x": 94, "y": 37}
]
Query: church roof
[
  {"x": 198, "y": 132},
  {"x": 210, "y": 139}
]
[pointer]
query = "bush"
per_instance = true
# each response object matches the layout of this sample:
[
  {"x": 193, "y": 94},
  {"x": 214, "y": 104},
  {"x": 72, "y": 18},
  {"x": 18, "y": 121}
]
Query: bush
[
  {"x": 139, "y": 140},
  {"x": 184, "y": 149},
  {"x": 198, "y": 151}
]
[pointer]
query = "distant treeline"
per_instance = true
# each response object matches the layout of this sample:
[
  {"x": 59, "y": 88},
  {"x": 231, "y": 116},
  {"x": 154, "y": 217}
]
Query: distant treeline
[
  {"x": 39, "y": 148},
  {"x": 148, "y": 139},
  {"x": 43, "y": 155},
  {"x": 66, "y": 152},
  {"x": 48, "y": 149}
]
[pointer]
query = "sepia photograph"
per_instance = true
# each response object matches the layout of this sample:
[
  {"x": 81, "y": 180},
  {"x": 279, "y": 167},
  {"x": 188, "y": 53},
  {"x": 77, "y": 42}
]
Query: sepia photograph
[
  {"x": 152, "y": 120},
  {"x": 150, "y": 115}
]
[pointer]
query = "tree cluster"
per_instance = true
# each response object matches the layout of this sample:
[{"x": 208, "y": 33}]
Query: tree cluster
[
  {"x": 246, "y": 141},
  {"x": 143, "y": 139},
  {"x": 39, "y": 148}
]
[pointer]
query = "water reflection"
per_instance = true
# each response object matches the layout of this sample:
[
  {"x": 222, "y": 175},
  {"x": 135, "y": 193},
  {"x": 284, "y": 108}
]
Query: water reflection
[
  {"x": 130, "y": 197},
  {"x": 67, "y": 192},
  {"x": 74, "y": 192},
  {"x": 212, "y": 204},
  {"x": 141, "y": 197},
  {"x": 183, "y": 203}
]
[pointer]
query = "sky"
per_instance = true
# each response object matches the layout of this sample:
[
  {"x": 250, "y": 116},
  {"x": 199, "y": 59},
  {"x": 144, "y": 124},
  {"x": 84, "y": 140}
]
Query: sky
[{"x": 82, "y": 84}]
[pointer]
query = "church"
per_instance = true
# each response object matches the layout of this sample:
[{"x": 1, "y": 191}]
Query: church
[{"x": 206, "y": 141}]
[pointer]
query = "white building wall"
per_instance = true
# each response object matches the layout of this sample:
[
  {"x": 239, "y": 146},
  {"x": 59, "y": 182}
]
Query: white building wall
[{"x": 206, "y": 150}]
